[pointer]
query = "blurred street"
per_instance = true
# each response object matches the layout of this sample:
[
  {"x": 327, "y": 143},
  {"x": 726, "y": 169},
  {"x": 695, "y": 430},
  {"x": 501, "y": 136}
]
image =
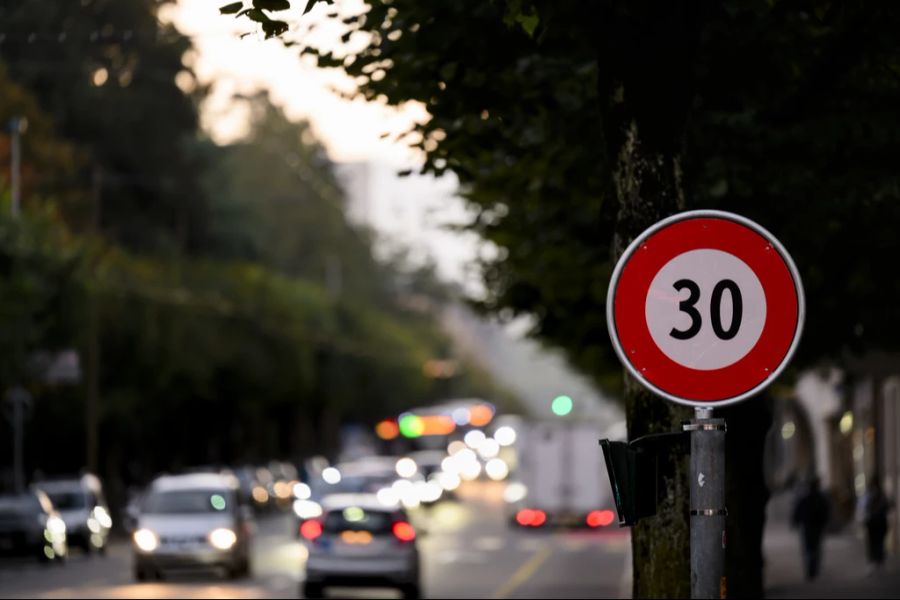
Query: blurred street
[
  {"x": 361, "y": 298},
  {"x": 468, "y": 552}
]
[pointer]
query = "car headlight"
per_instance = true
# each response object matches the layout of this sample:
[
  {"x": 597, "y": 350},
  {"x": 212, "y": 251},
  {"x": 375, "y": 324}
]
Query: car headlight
[
  {"x": 56, "y": 526},
  {"x": 222, "y": 539},
  {"x": 307, "y": 509},
  {"x": 102, "y": 517},
  {"x": 146, "y": 540}
]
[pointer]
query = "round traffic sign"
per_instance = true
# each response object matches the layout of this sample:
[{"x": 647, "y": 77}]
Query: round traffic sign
[{"x": 705, "y": 308}]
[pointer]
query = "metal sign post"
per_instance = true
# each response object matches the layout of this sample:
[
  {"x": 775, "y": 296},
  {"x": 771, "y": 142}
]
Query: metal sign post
[
  {"x": 704, "y": 309},
  {"x": 707, "y": 505}
]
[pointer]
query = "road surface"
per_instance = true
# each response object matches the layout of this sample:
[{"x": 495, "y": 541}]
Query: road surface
[{"x": 468, "y": 552}]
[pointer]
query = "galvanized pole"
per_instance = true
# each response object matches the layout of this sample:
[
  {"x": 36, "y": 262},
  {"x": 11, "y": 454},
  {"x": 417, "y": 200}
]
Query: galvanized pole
[{"x": 707, "y": 505}]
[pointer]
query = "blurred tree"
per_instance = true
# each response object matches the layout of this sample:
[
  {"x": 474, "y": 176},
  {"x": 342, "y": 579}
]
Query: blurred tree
[
  {"x": 281, "y": 323},
  {"x": 277, "y": 201},
  {"x": 110, "y": 75},
  {"x": 49, "y": 162},
  {"x": 573, "y": 126}
]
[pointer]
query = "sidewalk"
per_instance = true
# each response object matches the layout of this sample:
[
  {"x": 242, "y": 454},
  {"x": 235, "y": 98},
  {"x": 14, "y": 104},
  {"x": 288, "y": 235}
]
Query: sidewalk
[{"x": 843, "y": 564}]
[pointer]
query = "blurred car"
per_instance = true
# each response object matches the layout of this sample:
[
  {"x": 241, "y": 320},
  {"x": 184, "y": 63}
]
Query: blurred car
[
  {"x": 29, "y": 525},
  {"x": 441, "y": 484},
  {"x": 192, "y": 521},
  {"x": 360, "y": 542},
  {"x": 366, "y": 476},
  {"x": 82, "y": 505},
  {"x": 253, "y": 491}
]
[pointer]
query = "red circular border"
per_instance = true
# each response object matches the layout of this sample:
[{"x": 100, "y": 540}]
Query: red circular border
[{"x": 782, "y": 309}]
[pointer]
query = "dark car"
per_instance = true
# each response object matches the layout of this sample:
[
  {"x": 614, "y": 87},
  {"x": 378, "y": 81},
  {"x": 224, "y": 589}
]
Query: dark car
[{"x": 30, "y": 526}]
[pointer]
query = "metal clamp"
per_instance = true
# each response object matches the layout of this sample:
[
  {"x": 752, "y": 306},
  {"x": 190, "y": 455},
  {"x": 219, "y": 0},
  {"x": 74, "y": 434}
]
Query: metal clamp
[
  {"x": 704, "y": 427},
  {"x": 709, "y": 512}
]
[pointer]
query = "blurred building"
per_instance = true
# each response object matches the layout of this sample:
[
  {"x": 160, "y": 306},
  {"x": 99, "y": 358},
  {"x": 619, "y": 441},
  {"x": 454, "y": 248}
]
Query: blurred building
[{"x": 844, "y": 427}]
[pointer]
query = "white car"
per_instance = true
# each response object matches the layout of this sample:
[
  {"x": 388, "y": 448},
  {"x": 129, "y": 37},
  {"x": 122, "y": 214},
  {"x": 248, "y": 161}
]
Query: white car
[
  {"x": 82, "y": 506},
  {"x": 192, "y": 521},
  {"x": 358, "y": 541}
]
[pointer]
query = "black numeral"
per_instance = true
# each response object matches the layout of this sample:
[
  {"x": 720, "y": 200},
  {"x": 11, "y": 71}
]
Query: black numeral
[
  {"x": 688, "y": 307},
  {"x": 715, "y": 309}
]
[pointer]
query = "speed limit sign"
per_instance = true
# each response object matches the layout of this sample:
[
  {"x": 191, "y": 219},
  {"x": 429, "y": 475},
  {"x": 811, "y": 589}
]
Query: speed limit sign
[{"x": 705, "y": 308}]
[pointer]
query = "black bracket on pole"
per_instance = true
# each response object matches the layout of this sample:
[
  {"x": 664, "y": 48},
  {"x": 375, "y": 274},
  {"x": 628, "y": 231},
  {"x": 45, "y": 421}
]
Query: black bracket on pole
[{"x": 633, "y": 469}]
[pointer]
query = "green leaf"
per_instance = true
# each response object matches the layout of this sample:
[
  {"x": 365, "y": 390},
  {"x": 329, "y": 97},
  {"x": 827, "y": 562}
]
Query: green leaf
[
  {"x": 254, "y": 14},
  {"x": 529, "y": 22},
  {"x": 274, "y": 28},
  {"x": 230, "y": 9},
  {"x": 272, "y": 4}
]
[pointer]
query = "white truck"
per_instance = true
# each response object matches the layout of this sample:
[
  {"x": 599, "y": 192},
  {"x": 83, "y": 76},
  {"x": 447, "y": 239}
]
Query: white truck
[{"x": 561, "y": 476}]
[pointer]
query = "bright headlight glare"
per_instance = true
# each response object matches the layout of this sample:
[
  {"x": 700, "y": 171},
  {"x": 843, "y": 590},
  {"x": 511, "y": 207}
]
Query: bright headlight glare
[
  {"x": 307, "y": 509},
  {"x": 102, "y": 517},
  {"x": 56, "y": 526},
  {"x": 93, "y": 525},
  {"x": 222, "y": 538},
  {"x": 302, "y": 491},
  {"x": 146, "y": 540}
]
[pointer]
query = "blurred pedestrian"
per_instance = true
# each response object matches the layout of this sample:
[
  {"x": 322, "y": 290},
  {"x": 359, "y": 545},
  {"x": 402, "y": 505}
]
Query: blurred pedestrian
[
  {"x": 810, "y": 515},
  {"x": 874, "y": 507}
]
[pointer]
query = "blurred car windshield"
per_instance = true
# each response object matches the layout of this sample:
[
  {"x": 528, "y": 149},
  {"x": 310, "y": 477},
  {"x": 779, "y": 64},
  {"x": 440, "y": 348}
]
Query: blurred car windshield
[
  {"x": 357, "y": 519},
  {"x": 185, "y": 502},
  {"x": 19, "y": 504},
  {"x": 68, "y": 500}
]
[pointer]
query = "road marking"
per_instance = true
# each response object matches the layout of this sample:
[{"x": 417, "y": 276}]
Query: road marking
[{"x": 524, "y": 573}]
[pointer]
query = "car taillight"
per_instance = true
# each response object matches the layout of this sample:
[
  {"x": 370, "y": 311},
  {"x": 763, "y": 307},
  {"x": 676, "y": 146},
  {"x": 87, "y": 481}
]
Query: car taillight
[
  {"x": 403, "y": 531},
  {"x": 531, "y": 518},
  {"x": 311, "y": 529},
  {"x": 600, "y": 518}
]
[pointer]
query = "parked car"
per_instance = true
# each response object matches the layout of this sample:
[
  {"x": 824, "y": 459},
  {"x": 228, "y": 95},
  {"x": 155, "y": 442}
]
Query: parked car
[
  {"x": 193, "y": 520},
  {"x": 358, "y": 541},
  {"x": 82, "y": 505},
  {"x": 30, "y": 526}
]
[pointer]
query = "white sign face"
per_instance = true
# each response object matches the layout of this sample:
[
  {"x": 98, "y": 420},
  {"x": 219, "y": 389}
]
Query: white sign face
[{"x": 705, "y": 309}]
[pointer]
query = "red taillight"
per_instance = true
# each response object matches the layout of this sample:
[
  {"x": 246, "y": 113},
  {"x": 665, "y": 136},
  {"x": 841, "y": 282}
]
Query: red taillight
[
  {"x": 531, "y": 518},
  {"x": 600, "y": 518},
  {"x": 404, "y": 532},
  {"x": 311, "y": 530}
]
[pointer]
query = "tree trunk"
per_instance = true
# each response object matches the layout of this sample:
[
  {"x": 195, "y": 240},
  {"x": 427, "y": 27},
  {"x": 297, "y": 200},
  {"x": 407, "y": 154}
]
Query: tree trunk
[
  {"x": 648, "y": 188},
  {"x": 647, "y": 62}
]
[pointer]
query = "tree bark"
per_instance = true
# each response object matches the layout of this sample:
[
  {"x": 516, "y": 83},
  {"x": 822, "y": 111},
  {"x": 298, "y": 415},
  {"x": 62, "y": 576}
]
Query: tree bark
[{"x": 647, "y": 62}]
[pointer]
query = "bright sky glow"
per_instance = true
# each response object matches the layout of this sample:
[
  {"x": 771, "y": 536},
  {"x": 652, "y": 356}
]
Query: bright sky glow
[{"x": 408, "y": 212}]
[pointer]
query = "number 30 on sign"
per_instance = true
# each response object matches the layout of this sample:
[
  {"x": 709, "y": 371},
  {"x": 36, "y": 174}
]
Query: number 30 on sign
[{"x": 705, "y": 308}]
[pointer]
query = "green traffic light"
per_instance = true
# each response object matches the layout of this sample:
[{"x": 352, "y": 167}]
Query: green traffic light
[
  {"x": 562, "y": 405},
  {"x": 411, "y": 426}
]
